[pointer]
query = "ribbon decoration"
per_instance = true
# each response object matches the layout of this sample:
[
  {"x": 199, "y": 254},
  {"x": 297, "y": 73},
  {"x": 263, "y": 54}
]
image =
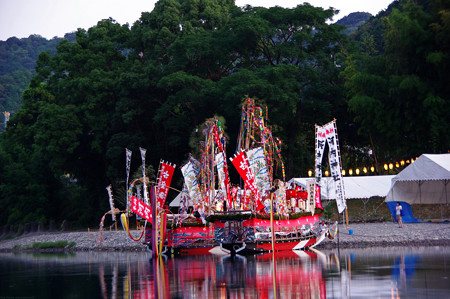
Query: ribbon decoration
[
  {"x": 224, "y": 178},
  {"x": 241, "y": 164},
  {"x": 220, "y": 163},
  {"x": 166, "y": 171}
]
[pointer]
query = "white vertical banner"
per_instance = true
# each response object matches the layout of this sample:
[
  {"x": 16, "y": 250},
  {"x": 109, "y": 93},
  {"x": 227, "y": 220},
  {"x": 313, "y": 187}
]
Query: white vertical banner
[
  {"x": 111, "y": 202},
  {"x": 143, "y": 151},
  {"x": 320, "y": 147},
  {"x": 184, "y": 200},
  {"x": 221, "y": 172},
  {"x": 311, "y": 187},
  {"x": 127, "y": 168},
  {"x": 190, "y": 172},
  {"x": 328, "y": 134}
]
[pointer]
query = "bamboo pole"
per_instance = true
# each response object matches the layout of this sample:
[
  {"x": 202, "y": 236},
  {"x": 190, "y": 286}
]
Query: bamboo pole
[
  {"x": 273, "y": 249},
  {"x": 271, "y": 222}
]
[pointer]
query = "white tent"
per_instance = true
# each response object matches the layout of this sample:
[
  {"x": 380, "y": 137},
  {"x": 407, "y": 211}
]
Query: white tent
[
  {"x": 423, "y": 182},
  {"x": 355, "y": 187}
]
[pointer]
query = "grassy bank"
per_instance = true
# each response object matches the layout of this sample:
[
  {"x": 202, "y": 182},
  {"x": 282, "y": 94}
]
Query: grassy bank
[
  {"x": 47, "y": 245},
  {"x": 376, "y": 210}
]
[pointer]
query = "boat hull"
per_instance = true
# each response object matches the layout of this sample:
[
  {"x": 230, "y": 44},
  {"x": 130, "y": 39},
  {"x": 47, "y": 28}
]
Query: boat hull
[
  {"x": 254, "y": 235},
  {"x": 244, "y": 248},
  {"x": 189, "y": 240},
  {"x": 242, "y": 237}
]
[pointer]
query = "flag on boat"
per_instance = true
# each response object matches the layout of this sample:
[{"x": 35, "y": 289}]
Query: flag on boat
[
  {"x": 166, "y": 171},
  {"x": 141, "y": 209},
  {"x": 242, "y": 166}
]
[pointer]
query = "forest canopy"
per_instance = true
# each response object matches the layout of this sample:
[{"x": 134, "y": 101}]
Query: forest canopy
[{"x": 152, "y": 84}]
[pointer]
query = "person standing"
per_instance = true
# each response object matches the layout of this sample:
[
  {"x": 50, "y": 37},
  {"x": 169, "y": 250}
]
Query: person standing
[{"x": 398, "y": 213}]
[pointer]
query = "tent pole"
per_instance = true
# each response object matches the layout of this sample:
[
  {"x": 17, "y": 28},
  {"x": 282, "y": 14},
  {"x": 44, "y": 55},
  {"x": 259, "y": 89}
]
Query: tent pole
[
  {"x": 420, "y": 191},
  {"x": 446, "y": 197},
  {"x": 346, "y": 217}
]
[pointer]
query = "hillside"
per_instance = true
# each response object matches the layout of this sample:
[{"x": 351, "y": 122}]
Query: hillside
[
  {"x": 17, "y": 62},
  {"x": 353, "y": 21}
]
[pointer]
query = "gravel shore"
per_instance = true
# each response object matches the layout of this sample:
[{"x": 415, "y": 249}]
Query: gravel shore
[{"x": 364, "y": 235}]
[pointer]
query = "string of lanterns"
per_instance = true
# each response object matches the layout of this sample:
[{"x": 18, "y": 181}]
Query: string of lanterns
[{"x": 369, "y": 170}]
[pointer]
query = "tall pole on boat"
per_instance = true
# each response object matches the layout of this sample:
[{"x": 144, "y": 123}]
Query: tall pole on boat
[
  {"x": 271, "y": 222},
  {"x": 274, "y": 272},
  {"x": 154, "y": 223},
  {"x": 212, "y": 189}
]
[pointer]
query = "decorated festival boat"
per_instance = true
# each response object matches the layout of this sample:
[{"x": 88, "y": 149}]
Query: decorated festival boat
[{"x": 261, "y": 214}]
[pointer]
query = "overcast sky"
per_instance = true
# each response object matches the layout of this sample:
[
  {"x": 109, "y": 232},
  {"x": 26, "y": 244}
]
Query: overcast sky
[{"x": 50, "y": 18}]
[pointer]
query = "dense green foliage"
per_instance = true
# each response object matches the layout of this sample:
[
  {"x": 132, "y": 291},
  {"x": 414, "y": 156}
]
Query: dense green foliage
[
  {"x": 153, "y": 84},
  {"x": 400, "y": 97},
  {"x": 17, "y": 62}
]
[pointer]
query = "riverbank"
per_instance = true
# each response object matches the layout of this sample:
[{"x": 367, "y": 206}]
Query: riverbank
[
  {"x": 363, "y": 236},
  {"x": 388, "y": 234}
]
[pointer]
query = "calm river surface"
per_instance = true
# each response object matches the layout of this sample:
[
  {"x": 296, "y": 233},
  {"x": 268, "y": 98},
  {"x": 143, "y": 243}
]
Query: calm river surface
[{"x": 356, "y": 273}]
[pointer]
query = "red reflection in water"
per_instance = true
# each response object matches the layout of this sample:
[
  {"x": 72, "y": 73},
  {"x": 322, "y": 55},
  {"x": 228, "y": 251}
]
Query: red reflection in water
[{"x": 229, "y": 277}]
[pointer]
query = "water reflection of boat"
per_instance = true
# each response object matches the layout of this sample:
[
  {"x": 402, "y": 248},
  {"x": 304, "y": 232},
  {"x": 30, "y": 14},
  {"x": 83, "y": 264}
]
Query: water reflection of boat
[
  {"x": 229, "y": 276},
  {"x": 187, "y": 240},
  {"x": 295, "y": 277}
]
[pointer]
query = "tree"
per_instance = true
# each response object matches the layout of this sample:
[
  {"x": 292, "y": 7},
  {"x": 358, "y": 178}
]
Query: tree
[{"x": 398, "y": 97}]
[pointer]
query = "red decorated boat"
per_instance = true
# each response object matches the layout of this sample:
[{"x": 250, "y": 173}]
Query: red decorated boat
[{"x": 261, "y": 214}]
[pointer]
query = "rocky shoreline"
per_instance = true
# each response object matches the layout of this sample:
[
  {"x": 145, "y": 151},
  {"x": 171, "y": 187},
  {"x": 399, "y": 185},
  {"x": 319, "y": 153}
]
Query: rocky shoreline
[{"x": 386, "y": 234}]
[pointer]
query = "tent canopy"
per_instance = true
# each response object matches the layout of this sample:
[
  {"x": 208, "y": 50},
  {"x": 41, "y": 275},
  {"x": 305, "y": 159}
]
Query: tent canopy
[
  {"x": 355, "y": 187},
  {"x": 423, "y": 182}
]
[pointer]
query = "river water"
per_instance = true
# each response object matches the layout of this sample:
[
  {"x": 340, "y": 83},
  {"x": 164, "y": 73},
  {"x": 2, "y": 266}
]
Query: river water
[{"x": 351, "y": 273}]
